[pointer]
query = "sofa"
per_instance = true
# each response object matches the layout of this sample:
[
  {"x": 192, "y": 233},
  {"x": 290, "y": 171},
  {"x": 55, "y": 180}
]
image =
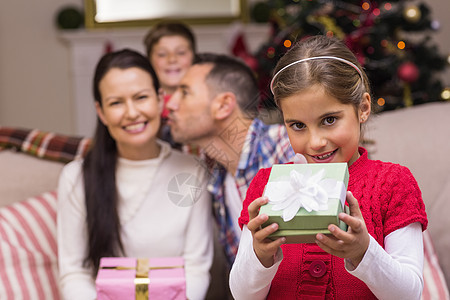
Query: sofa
[{"x": 31, "y": 160}]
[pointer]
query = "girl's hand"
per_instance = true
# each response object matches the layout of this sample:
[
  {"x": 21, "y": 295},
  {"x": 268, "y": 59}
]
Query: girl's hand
[
  {"x": 352, "y": 244},
  {"x": 265, "y": 249}
]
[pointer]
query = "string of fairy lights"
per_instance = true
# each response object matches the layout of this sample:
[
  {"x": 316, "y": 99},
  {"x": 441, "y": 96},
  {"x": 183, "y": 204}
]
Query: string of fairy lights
[{"x": 378, "y": 32}]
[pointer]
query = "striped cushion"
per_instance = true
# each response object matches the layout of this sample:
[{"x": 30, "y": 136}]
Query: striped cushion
[
  {"x": 28, "y": 250},
  {"x": 435, "y": 286}
]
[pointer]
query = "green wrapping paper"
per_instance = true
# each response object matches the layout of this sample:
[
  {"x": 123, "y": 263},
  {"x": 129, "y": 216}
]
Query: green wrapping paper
[{"x": 330, "y": 179}]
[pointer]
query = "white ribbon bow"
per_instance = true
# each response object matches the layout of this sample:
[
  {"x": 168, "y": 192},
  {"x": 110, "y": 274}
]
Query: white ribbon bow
[{"x": 303, "y": 190}]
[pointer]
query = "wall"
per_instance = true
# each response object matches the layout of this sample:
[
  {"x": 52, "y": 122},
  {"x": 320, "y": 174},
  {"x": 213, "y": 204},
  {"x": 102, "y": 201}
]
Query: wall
[
  {"x": 34, "y": 67},
  {"x": 35, "y": 87}
]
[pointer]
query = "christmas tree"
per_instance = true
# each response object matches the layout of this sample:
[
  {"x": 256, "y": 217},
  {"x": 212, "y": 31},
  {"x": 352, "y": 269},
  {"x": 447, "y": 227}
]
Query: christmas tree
[{"x": 391, "y": 40}]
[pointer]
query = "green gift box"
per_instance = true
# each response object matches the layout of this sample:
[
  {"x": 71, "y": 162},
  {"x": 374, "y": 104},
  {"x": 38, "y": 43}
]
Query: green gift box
[{"x": 304, "y": 199}]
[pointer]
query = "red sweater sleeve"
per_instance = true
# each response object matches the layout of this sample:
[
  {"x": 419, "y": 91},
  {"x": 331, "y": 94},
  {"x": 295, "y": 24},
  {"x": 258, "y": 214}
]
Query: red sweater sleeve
[
  {"x": 405, "y": 205},
  {"x": 255, "y": 190}
]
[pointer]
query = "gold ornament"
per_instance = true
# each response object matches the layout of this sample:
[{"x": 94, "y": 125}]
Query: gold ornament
[
  {"x": 407, "y": 99},
  {"x": 445, "y": 94},
  {"x": 329, "y": 24},
  {"x": 412, "y": 14}
]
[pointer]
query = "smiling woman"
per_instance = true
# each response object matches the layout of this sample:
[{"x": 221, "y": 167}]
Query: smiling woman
[
  {"x": 130, "y": 110},
  {"x": 114, "y": 201},
  {"x": 116, "y": 13}
]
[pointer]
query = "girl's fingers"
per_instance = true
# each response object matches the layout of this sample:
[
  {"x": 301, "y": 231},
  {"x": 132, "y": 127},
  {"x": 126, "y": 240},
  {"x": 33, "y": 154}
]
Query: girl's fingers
[
  {"x": 355, "y": 220},
  {"x": 253, "y": 208},
  {"x": 266, "y": 251},
  {"x": 273, "y": 246},
  {"x": 260, "y": 234},
  {"x": 337, "y": 246},
  {"x": 353, "y": 205},
  {"x": 263, "y": 233},
  {"x": 356, "y": 224},
  {"x": 340, "y": 237},
  {"x": 352, "y": 243},
  {"x": 255, "y": 223},
  {"x": 332, "y": 250},
  {"x": 323, "y": 243}
]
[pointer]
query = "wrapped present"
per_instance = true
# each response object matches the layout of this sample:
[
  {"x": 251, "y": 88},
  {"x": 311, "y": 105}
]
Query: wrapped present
[
  {"x": 304, "y": 199},
  {"x": 126, "y": 278}
]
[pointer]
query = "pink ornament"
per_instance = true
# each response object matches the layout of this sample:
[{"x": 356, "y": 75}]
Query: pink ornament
[{"x": 408, "y": 72}]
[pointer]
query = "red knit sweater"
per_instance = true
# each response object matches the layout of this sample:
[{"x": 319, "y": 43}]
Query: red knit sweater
[{"x": 389, "y": 199}]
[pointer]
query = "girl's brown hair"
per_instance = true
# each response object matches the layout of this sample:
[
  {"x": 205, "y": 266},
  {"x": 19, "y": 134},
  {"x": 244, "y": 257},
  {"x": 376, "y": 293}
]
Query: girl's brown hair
[{"x": 339, "y": 79}]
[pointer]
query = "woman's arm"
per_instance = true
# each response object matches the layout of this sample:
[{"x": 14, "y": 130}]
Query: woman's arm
[
  {"x": 76, "y": 282},
  {"x": 198, "y": 252},
  {"x": 396, "y": 271}
]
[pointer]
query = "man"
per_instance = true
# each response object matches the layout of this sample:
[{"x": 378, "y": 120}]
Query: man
[{"x": 215, "y": 108}]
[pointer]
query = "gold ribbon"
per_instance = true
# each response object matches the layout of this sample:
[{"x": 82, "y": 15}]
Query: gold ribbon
[{"x": 142, "y": 280}]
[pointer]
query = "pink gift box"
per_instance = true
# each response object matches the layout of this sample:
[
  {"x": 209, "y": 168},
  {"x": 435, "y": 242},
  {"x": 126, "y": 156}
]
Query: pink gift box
[{"x": 126, "y": 278}]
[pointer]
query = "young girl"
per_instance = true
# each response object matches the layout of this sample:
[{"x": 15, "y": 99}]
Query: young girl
[
  {"x": 122, "y": 199},
  {"x": 324, "y": 96}
]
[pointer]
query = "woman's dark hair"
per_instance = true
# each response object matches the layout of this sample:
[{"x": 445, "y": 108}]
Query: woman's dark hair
[
  {"x": 99, "y": 169},
  {"x": 168, "y": 29}
]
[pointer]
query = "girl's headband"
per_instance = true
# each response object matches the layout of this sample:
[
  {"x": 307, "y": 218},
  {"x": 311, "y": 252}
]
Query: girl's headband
[{"x": 314, "y": 58}]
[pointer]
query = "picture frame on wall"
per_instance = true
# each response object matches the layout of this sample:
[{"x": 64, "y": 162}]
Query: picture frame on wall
[{"x": 136, "y": 13}]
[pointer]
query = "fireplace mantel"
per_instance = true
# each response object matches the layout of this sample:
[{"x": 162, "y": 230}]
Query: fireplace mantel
[{"x": 87, "y": 46}]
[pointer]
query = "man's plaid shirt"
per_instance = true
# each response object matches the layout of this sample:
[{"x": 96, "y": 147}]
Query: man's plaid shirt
[{"x": 264, "y": 145}]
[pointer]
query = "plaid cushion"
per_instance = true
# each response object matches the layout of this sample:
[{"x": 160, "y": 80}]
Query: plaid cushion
[{"x": 43, "y": 144}]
